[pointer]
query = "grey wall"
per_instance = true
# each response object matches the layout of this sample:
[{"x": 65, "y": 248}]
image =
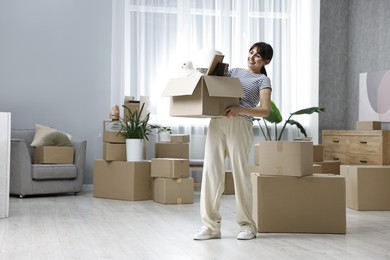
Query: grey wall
[
  {"x": 369, "y": 46},
  {"x": 55, "y": 67},
  {"x": 354, "y": 38},
  {"x": 333, "y": 64}
]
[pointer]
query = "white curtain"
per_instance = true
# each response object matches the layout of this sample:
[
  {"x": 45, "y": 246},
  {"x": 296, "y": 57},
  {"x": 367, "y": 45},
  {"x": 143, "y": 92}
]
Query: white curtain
[{"x": 159, "y": 35}]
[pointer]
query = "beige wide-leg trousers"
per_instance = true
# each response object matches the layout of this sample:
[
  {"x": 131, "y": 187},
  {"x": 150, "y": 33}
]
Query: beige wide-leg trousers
[{"x": 231, "y": 137}]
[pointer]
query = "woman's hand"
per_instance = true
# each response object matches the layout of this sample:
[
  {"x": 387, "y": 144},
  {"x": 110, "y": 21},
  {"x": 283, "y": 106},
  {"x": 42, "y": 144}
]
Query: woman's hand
[{"x": 233, "y": 111}]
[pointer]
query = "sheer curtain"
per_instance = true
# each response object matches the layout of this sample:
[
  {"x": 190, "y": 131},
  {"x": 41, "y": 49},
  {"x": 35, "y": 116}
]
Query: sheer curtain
[{"x": 152, "y": 38}]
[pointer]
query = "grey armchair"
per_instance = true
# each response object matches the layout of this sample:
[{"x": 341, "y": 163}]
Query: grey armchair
[{"x": 27, "y": 178}]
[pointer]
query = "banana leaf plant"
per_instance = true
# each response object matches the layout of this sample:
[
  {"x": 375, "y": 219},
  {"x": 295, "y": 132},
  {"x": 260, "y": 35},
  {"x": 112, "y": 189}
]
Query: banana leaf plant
[{"x": 275, "y": 118}]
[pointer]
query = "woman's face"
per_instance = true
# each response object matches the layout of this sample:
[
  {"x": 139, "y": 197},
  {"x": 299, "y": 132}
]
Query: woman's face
[{"x": 255, "y": 61}]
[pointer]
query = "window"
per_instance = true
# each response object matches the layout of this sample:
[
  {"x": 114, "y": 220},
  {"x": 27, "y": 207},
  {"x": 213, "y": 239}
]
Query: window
[{"x": 157, "y": 36}]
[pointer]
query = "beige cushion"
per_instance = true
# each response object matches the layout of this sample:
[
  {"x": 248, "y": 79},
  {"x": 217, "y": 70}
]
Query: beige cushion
[{"x": 42, "y": 131}]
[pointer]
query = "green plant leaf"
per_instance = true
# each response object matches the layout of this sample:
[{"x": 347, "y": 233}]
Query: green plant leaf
[
  {"x": 293, "y": 122},
  {"x": 274, "y": 114},
  {"x": 275, "y": 117},
  {"x": 309, "y": 110},
  {"x": 133, "y": 127}
]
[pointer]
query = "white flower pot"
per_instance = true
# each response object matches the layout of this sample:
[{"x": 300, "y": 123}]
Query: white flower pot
[
  {"x": 165, "y": 136},
  {"x": 134, "y": 150}
]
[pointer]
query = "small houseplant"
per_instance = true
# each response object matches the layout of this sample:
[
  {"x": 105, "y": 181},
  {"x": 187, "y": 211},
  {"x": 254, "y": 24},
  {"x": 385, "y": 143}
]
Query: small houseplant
[
  {"x": 164, "y": 132},
  {"x": 136, "y": 130},
  {"x": 275, "y": 118}
]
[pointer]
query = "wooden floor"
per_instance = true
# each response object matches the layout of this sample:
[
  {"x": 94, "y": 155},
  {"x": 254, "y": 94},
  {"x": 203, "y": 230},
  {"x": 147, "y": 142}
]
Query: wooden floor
[{"x": 84, "y": 227}]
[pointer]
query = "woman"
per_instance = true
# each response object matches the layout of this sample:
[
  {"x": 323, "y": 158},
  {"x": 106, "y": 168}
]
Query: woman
[{"x": 232, "y": 136}]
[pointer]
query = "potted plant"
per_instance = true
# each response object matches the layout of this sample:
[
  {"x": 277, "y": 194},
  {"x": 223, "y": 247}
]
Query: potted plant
[
  {"x": 275, "y": 118},
  {"x": 164, "y": 132},
  {"x": 136, "y": 130}
]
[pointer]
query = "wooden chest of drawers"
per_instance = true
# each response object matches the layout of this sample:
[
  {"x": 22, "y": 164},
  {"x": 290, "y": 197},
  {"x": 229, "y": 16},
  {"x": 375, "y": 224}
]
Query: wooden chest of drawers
[{"x": 357, "y": 147}]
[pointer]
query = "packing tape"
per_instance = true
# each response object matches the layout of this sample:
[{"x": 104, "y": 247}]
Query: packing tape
[
  {"x": 178, "y": 201},
  {"x": 178, "y": 180}
]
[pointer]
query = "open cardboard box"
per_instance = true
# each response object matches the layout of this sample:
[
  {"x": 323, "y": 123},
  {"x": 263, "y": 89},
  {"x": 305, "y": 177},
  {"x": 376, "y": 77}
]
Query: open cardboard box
[{"x": 197, "y": 95}]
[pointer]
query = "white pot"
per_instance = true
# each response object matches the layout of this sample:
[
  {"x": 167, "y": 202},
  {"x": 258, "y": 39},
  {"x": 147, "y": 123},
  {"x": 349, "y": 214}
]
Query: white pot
[
  {"x": 134, "y": 150},
  {"x": 165, "y": 136}
]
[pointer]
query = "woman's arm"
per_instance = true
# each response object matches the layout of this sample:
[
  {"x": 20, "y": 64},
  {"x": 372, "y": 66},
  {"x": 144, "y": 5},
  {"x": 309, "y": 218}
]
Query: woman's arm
[{"x": 260, "y": 111}]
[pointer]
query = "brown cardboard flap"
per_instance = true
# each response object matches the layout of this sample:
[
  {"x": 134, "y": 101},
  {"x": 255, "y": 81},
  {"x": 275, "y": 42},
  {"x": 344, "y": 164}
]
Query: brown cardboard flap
[
  {"x": 182, "y": 86},
  {"x": 221, "y": 86},
  {"x": 214, "y": 63}
]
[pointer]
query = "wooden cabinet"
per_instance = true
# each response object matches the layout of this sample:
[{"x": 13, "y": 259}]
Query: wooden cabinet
[{"x": 357, "y": 147}]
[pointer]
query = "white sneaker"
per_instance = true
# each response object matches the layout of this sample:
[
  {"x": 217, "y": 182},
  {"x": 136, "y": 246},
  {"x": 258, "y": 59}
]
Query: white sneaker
[
  {"x": 246, "y": 234},
  {"x": 205, "y": 233}
]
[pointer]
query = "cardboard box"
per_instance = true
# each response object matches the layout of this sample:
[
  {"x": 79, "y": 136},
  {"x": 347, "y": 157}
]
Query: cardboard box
[
  {"x": 368, "y": 125},
  {"x": 311, "y": 204},
  {"x": 110, "y": 132},
  {"x": 318, "y": 153},
  {"x": 170, "y": 168},
  {"x": 128, "y": 99},
  {"x": 229, "y": 183},
  {"x": 172, "y": 150},
  {"x": 287, "y": 158},
  {"x": 135, "y": 105},
  {"x": 368, "y": 186},
  {"x": 197, "y": 95},
  {"x": 317, "y": 168},
  {"x": 180, "y": 138},
  {"x": 327, "y": 167},
  {"x": 122, "y": 180},
  {"x": 131, "y": 105},
  {"x": 173, "y": 191},
  {"x": 114, "y": 152},
  {"x": 53, "y": 154}
]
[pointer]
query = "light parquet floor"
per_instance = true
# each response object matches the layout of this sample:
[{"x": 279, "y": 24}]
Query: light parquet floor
[{"x": 83, "y": 227}]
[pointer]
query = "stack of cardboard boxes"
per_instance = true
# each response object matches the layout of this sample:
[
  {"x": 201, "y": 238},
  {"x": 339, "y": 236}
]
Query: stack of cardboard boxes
[
  {"x": 114, "y": 177},
  {"x": 367, "y": 186},
  {"x": 114, "y": 144},
  {"x": 170, "y": 171},
  {"x": 288, "y": 197}
]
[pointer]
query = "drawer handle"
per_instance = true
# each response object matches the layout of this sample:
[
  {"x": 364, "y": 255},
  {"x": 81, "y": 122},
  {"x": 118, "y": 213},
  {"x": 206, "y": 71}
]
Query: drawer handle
[
  {"x": 336, "y": 159},
  {"x": 363, "y": 142},
  {"x": 363, "y": 161},
  {"x": 336, "y": 141}
]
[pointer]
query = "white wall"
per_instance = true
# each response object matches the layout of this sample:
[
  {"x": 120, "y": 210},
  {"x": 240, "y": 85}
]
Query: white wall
[{"x": 55, "y": 67}]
